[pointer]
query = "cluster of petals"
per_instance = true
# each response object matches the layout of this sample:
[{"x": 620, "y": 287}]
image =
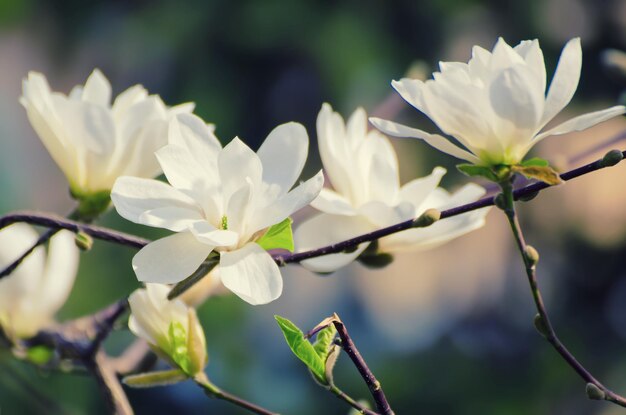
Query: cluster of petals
[
  {"x": 362, "y": 167},
  {"x": 92, "y": 141},
  {"x": 40, "y": 285},
  {"x": 495, "y": 106},
  {"x": 218, "y": 199}
]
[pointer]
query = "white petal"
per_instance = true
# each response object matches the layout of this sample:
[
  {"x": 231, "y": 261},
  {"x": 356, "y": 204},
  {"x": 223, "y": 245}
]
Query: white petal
[
  {"x": 128, "y": 98},
  {"x": 251, "y": 273},
  {"x": 97, "y": 89},
  {"x": 565, "y": 80},
  {"x": 293, "y": 201},
  {"x": 173, "y": 218},
  {"x": 435, "y": 140},
  {"x": 416, "y": 191},
  {"x": 133, "y": 196},
  {"x": 381, "y": 172},
  {"x": 532, "y": 54},
  {"x": 324, "y": 229},
  {"x": 582, "y": 122},
  {"x": 516, "y": 97},
  {"x": 334, "y": 150},
  {"x": 208, "y": 234},
  {"x": 60, "y": 272},
  {"x": 171, "y": 259},
  {"x": 283, "y": 154},
  {"x": 329, "y": 201},
  {"x": 236, "y": 163}
]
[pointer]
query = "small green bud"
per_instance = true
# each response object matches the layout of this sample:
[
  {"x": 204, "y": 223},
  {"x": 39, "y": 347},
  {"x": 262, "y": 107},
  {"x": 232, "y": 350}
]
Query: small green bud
[
  {"x": 611, "y": 158},
  {"x": 594, "y": 392},
  {"x": 499, "y": 201},
  {"x": 427, "y": 218},
  {"x": 152, "y": 379},
  {"x": 528, "y": 197},
  {"x": 83, "y": 241},
  {"x": 540, "y": 325},
  {"x": 531, "y": 255}
]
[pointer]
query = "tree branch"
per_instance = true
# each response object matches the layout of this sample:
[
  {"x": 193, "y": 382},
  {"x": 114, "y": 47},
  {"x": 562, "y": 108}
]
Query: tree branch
[
  {"x": 56, "y": 222},
  {"x": 595, "y": 389}
]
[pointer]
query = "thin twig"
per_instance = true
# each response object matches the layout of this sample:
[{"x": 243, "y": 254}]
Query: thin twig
[
  {"x": 529, "y": 256},
  {"x": 110, "y": 386},
  {"x": 43, "y": 238},
  {"x": 214, "y": 392},
  {"x": 372, "y": 383},
  {"x": 350, "y": 401}
]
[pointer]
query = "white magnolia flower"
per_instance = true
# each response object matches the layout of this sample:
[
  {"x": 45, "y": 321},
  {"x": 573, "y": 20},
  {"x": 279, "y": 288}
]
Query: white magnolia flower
[
  {"x": 170, "y": 327},
  {"x": 92, "y": 141},
  {"x": 219, "y": 199},
  {"x": 363, "y": 169},
  {"x": 496, "y": 105},
  {"x": 37, "y": 289}
]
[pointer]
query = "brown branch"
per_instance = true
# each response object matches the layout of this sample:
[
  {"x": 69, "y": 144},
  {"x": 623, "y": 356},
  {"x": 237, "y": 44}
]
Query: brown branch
[
  {"x": 56, "y": 222},
  {"x": 595, "y": 389}
]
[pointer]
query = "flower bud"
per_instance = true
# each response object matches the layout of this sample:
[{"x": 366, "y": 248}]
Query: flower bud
[
  {"x": 611, "y": 158},
  {"x": 594, "y": 392},
  {"x": 170, "y": 327},
  {"x": 427, "y": 218},
  {"x": 531, "y": 254},
  {"x": 83, "y": 241}
]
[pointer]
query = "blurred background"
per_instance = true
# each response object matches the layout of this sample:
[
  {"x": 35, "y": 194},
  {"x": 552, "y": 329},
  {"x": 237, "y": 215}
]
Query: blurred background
[{"x": 448, "y": 331}]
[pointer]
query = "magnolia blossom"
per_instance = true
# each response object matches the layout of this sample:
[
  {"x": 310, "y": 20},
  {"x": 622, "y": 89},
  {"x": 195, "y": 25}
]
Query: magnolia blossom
[
  {"x": 37, "y": 289},
  {"x": 496, "y": 105},
  {"x": 219, "y": 199},
  {"x": 363, "y": 169},
  {"x": 170, "y": 327},
  {"x": 92, "y": 141}
]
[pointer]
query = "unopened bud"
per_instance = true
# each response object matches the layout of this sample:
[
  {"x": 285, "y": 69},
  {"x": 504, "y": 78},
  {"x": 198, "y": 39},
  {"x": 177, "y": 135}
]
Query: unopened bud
[
  {"x": 540, "y": 325},
  {"x": 427, "y": 218},
  {"x": 531, "y": 255},
  {"x": 611, "y": 158},
  {"x": 594, "y": 392},
  {"x": 83, "y": 241}
]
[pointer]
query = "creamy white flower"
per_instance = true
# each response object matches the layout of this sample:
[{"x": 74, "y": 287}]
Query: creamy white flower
[
  {"x": 496, "y": 105},
  {"x": 363, "y": 169},
  {"x": 93, "y": 141},
  {"x": 219, "y": 199},
  {"x": 169, "y": 326},
  {"x": 40, "y": 285}
]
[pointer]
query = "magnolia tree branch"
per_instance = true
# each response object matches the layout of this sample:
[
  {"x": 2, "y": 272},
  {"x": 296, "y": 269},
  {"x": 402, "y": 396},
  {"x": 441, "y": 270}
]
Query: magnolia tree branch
[
  {"x": 595, "y": 389},
  {"x": 53, "y": 221},
  {"x": 81, "y": 341},
  {"x": 372, "y": 383}
]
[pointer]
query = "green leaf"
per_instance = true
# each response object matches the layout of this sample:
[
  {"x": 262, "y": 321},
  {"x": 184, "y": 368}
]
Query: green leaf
[
  {"x": 473, "y": 170},
  {"x": 152, "y": 379},
  {"x": 323, "y": 341},
  {"x": 278, "y": 236},
  {"x": 535, "y": 161},
  {"x": 302, "y": 348},
  {"x": 545, "y": 174},
  {"x": 39, "y": 355},
  {"x": 179, "y": 352}
]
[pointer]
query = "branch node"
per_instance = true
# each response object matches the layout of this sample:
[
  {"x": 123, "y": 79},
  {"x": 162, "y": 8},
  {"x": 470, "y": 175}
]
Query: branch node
[{"x": 611, "y": 158}]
